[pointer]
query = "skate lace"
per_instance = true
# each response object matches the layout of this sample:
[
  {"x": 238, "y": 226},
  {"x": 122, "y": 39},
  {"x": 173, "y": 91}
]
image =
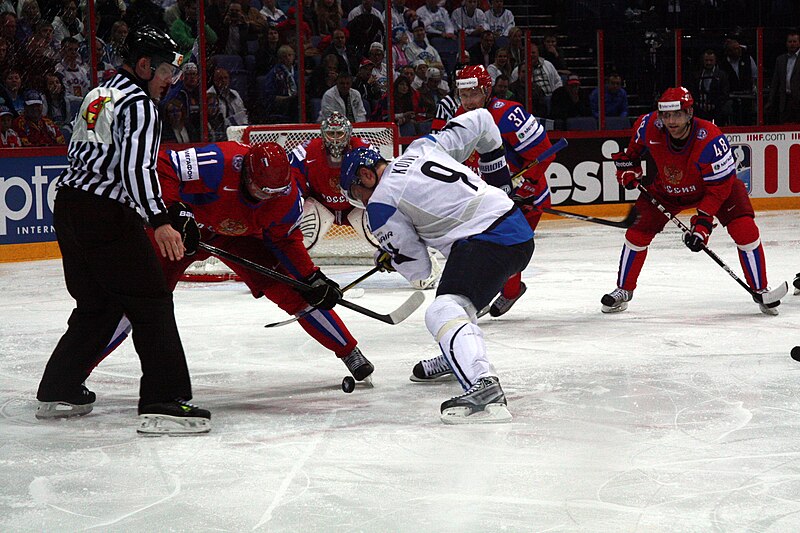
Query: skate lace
[
  {"x": 437, "y": 365},
  {"x": 186, "y": 406},
  {"x": 619, "y": 295},
  {"x": 355, "y": 359}
]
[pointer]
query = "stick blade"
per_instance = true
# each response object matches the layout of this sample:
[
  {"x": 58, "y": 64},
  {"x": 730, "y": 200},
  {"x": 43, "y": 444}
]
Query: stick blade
[
  {"x": 409, "y": 306},
  {"x": 775, "y": 294}
]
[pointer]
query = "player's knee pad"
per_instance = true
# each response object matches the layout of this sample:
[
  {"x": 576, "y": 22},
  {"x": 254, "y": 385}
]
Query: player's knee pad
[
  {"x": 744, "y": 232},
  {"x": 359, "y": 222},
  {"x": 315, "y": 223},
  {"x": 448, "y": 311}
]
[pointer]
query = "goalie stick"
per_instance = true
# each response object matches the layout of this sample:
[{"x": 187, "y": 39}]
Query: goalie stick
[
  {"x": 303, "y": 313},
  {"x": 768, "y": 297},
  {"x": 394, "y": 317}
]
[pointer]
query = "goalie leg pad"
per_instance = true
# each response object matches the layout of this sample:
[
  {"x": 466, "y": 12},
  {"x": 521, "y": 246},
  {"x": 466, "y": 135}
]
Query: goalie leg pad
[
  {"x": 451, "y": 321},
  {"x": 360, "y": 223},
  {"x": 315, "y": 223}
]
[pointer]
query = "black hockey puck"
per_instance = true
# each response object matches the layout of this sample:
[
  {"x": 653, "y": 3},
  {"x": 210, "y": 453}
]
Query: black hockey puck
[
  {"x": 348, "y": 384},
  {"x": 796, "y": 353}
]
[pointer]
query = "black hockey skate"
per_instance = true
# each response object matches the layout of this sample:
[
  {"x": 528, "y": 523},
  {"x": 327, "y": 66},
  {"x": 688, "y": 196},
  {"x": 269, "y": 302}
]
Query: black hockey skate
[
  {"x": 358, "y": 365},
  {"x": 431, "y": 370},
  {"x": 79, "y": 403},
  {"x": 501, "y": 304},
  {"x": 483, "y": 403},
  {"x": 616, "y": 301},
  {"x": 178, "y": 417},
  {"x": 796, "y": 284}
]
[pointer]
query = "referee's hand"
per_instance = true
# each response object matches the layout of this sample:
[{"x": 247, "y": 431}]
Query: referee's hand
[{"x": 169, "y": 242}]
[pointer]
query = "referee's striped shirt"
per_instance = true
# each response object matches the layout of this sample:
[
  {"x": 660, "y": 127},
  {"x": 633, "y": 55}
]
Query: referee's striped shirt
[
  {"x": 446, "y": 108},
  {"x": 114, "y": 147}
]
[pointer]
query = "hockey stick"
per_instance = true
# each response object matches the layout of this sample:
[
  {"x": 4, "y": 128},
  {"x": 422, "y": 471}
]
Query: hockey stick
[
  {"x": 305, "y": 312},
  {"x": 395, "y": 317},
  {"x": 558, "y": 146},
  {"x": 626, "y": 222},
  {"x": 768, "y": 297}
]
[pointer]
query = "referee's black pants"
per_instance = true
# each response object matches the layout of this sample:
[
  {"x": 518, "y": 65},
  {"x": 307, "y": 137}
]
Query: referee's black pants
[{"x": 110, "y": 268}]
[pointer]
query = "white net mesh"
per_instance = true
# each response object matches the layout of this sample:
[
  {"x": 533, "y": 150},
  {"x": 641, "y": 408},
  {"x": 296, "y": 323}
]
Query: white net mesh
[{"x": 341, "y": 245}]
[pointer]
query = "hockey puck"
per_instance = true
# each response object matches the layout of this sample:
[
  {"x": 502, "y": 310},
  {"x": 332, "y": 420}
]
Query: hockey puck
[
  {"x": 348, "y": 384},
  {"x": 796, "y": 353}
]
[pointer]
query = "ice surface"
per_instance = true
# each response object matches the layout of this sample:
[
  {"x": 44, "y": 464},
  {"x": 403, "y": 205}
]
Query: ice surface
[{"x": 681, "y": 414}]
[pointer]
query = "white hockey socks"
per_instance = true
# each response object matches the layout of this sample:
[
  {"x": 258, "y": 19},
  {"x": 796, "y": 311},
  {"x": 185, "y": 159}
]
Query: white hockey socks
[{"x": 451, "y": 321}]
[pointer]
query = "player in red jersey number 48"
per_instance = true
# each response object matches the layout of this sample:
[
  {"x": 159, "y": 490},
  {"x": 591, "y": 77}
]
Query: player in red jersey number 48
[{"x": 695, "y": 169}]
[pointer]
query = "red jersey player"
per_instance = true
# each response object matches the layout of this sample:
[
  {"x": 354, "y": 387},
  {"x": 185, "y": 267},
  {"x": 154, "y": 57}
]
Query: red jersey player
[
  {"x": 318, "y": 162},
  {"x": 695, "y": 168},
  {"x": 246, "y": 201},
  {"x": 524, "y": 138}
]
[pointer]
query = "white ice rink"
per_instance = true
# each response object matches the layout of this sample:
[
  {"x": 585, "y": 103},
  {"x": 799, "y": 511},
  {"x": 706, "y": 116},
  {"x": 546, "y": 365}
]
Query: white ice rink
[{"x": 680, "y": 415}]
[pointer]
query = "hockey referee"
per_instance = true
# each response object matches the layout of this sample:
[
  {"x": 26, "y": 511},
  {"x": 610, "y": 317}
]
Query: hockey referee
[{"x": 105, "y": 196}]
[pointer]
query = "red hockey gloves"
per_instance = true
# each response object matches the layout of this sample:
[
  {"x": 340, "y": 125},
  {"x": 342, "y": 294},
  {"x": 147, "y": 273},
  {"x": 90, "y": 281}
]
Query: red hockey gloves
[
  {"x": 697, "y": 238},
  {"x": 182, "y": 218},
  {"x": 629, "y": 172},
  {"x": 523, "y": 195},
  {"x": 324, "y": 292},
  {"x": 383, "y": 260}
]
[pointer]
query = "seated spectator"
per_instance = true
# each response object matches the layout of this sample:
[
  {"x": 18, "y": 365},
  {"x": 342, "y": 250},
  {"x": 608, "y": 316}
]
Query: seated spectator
[
  {"x": 267, "y": 53},
  {"x": 516, "y": 47},
  {"x": 567, "y": 102},
  {"x": 38, "y": 58},
  {"x": 501, "y": 65},
  {"x": 281, "y": 86},
  {"x": 74, "y": 74},
  {"x": 551, "y": 53},
  {"x": 379, "y": 66},
  {"x": 519, "y": 89},
  {"x": 12, "y": 91},
  {"x": 363, "y": 30},
  {"x": 616, "y": 99},
  {"x": 115, "y": 47},
  {"x": 407, "y": 107},
  {"x": 408, "y": 72},
  {"x": 256, "y": 22},
  {"x": 343, "y": 99},
  {"x": 711, "y": 91},
  {"x": 432, "y": 92},
  {"x": 366, "y": 84},
  {"x": 420, "y": 48},
  {"x": 29, "y": 17},
  {"x": 329, "y": 16},
  {"x": 402, "y": 17},
  {"x": 437, "y": 21},
  {"x": 216, "y": 121},
  {"x": 310, "y": 16},
  {"x": 33, "y": 128},
  {"x": 420, "y": 74},
  {"x": 365, "y": 7},
  {"x": 8, "y": 137},
  {"x": 105, "y": 70},
  {"x": 499, "y": 19},
  {"x": 273, "y": 15},
  {"x": 323, "y": 77},
  {"x": 545, "y": 77},
  {"x": 287, "y": 30},
  {"x": 174, "y": 129},
  {"x": 187, "y": 90},
  {"x": 470, "y": 19},
  {"x": 347, "y": 56},
  {"x": 399, "y": 43},
  {"x": 8, "y": 30},
  {"x": 55, "y": 104},
  {"x": 231, "y": 105},
  {"x": 67, "y": 23},
  {"x": 483, "y": 52},
  {"x": 500, "y": 89},
  {"x": 234, "y": 33},
  {"x": 184, "y": 30}
]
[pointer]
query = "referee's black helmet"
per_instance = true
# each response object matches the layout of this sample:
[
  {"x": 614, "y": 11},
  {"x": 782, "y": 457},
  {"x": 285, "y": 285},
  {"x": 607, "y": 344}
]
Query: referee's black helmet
[{"x": 147, "y": 41}]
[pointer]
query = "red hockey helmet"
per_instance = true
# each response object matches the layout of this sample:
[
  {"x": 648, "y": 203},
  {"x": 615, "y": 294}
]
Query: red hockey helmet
[
  {"x": 676, "y": 99},
  {"x": 267, "y": 171},
  {"x": 473, "y": 76}
]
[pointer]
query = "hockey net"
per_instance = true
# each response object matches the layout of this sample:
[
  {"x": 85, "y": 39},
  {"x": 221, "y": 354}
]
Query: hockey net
[{"x": 341, "y": 244}]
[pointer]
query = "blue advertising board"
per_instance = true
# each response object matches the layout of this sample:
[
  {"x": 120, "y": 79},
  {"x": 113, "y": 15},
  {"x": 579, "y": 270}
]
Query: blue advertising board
[{"x": 27, "y": 191}]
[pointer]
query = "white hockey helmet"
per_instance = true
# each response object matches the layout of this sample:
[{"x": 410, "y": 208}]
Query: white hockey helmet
[{"x": 336, "y": 133}]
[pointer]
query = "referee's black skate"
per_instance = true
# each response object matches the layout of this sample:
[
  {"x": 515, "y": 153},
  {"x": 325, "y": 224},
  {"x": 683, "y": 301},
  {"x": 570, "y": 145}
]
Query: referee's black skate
[
  {"x": 796, "y": 284},
  {"x": 483, "y": 403},
  {"x": 616, "y": 301},
  {"x": 178, "y": 417},
  {"x": 501, "y": 304},
  {"x": 79, "y": 403},
  {"x": 432, "y": 370},
  {"x": 358, "y": 365}
]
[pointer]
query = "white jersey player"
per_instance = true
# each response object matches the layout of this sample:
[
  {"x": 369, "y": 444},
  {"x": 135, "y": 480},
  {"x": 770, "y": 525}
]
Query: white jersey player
[{"x": 426, "y": 198}]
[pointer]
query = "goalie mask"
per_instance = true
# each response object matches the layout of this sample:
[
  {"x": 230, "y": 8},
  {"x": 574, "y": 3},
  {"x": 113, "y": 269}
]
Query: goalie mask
[
  {"x": 266, "y": 172},
  {"x": 336, "y": 133}
]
